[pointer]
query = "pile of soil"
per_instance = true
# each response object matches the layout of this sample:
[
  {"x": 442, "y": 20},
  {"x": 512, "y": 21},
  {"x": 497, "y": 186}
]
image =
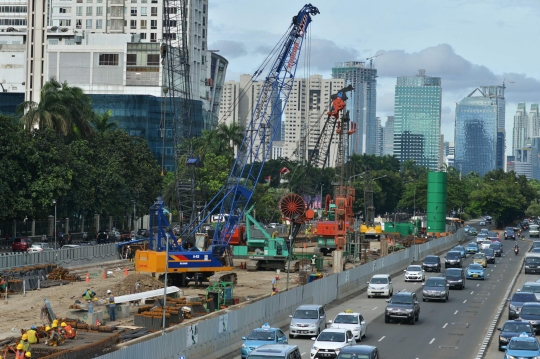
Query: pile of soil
[{"x": 127, "y": 285}]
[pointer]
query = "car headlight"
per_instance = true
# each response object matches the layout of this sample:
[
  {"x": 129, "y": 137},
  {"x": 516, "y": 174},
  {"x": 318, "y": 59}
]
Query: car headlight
[
  {"x": 314, "y": 348},
  {"x": 337, "y": 350},
  {"x": 370, "y": 287},
  {"x": 513, "y": 307},
  {"x": 408, "y": 310},
  {"x": 425, "y": 292},
  {"x": 244, "y": 346},
  {"x": 357, "y": 329},
  {"x": 313, "y": 325},
  {"x": 503, "y": 339}
]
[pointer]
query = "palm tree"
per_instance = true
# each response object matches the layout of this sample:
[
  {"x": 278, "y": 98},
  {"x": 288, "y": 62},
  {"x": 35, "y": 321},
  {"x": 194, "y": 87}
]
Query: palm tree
[
  {"x": 102, "y": 122},
  {"x": 232, "y": 135},
  {"x": 80, "y": 110}
]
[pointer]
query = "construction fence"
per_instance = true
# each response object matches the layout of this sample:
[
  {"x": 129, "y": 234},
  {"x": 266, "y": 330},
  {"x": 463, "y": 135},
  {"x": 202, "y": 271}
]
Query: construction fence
[
  {"x": 68, "y": 257},
  {"x": 220, "y": 333}
]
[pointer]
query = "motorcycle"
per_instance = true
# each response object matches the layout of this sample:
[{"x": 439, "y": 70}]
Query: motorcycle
[{"x": 516, "y": 250}]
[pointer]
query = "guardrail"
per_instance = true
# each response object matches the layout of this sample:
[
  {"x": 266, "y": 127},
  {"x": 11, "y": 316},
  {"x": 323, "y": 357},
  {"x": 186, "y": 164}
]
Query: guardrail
[
  {"x": 68, "y": 257},
  {"x": 220, "y": 333}
]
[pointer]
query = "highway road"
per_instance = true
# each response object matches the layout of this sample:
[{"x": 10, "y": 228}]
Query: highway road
[{"x": 455, "y": 329}]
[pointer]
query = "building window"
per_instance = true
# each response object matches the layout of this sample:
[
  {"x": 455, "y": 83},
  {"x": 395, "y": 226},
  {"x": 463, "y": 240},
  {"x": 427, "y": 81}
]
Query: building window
[
  {"x": 64, "y": 10},
  {"x": 88, "y": 1},
  {"x": 204, "y": 9},
  {"x": 79, "y": 10},
  {"x": 204, "y": 34},
  {"x": 133, "y": 1},
  {"x": 153, "y": 37},
  {"x": 88, "y": 11},
  {"x": 99, "y": 1},
  {"x": 152, "y": 60},
  {"x": 143, "y": 25},
  {"x": 89, "y": 24},
  {"x": 133, "y": 24},
  {"x": 133, "y": 11},
  {"x": 99, "y": 24},
  {"x": 78, "y": 23},
  {"x": 53, "y": 41},
  {"x": 153, "y": 11},
  {"x": 143, "y": 35},
  {"x": 143, "y": 11},
  {"x": 131, "y": 59},
  {"x": 108, "y": 59},
  {"x": 144, "y": 1},
  {"x": 153, "y": 24},
  {"x": 204, "y": 21},
  {"x": 99, "y": 11}
]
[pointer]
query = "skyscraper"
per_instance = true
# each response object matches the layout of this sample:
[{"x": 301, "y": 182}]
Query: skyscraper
[
  {"x": 496, "y": 95},
  {"x": 476, "y": 130},
  {"x": 362, "y": 103},
  {"x": 388, "y": 135},
  {"x": 417, "y": 122},
  {"x": 521, "y": 127}
]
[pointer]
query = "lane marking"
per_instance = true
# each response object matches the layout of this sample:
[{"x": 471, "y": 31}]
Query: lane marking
[
  {"x": 492, "y": 270},
  {"x": 374, "y": 308},
  {"x": 384, "y": 336},
  {"x": 454, "y": 314},
  {"x": 472, "y": 292},
  {"x": 465, "y": 301},
  {"x": 432, "y": 340},
  {"x": 478, "y": 285},
  {"x": 444, "y": 326},
  {"x": 303, "y": 353}
]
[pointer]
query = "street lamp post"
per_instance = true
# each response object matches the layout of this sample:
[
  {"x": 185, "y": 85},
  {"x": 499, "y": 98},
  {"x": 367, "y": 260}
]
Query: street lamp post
[{"x": 54, "y": 234}]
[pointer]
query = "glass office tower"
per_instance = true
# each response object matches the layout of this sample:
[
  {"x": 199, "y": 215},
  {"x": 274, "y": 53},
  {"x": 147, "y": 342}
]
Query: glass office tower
[
  {"x": 476, "y": 134},
  {"x": 417, "y": 120}
]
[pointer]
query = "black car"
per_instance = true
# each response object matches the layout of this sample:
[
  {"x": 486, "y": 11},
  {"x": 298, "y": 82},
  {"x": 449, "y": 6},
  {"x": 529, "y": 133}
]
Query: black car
[
  {"x": 143, "y": 232},
  {"x": 514, "y": 328},
  {"x": 497, "y": 249},
  {"x": 359, "y": 351},
  {"x": 452, "y": 260},
  {"x": 531, "y": 313},
  {"x": 487, "y": 219},
  {"x": 102, "y": 237},
  {"x": 517, "y": 301},
  {"x": 490, "y": 254},
  {"x": 493, "y": 236},
  {"x": 402, "y": 306},
  {"x": 432, "y": 264},
  {"x": 509, "y": 233},
  {"x": 455, "y": 277}
]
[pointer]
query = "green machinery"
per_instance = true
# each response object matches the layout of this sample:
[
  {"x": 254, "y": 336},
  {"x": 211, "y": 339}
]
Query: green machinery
[
  {"x": 269, "y": 252},
  {"x": 219, "y": 295}
]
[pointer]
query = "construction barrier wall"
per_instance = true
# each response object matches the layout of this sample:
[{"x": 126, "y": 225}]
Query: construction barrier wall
[
  {"x": 69, "y": 257},
  {"x": 220, "y": 333}
]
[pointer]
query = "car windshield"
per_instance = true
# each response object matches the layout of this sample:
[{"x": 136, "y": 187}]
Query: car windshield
[
  {"x": 488, "y": 251},
  {"x": 265, "y": 356},
  {"x": 530, "y": 310},
  {"x": 533, "y": 227},
  {"x": 265, "y": 335},
  {"x": 331, "y": 337},
  {"x": 346, "y": 319},
  {"x": 431, "y": 259},
  {"x": 532, "y": 260},
  {"x": 486, "y": 242},
  {"x": 473, "y": 245},
  {"x": 535, "y": 250},
  {"x": 495, "y": 246},
  {"x": 534, "y": 288},
  {"x": 458, "y": 248},
  {"x": 432, "y": 282},
  {"x": 523, "y": 345},
  {"x": 306, "y": 314},
  {"x": 523, "y": 297},
  {"x": 401, "y": 299},
  {"x": 382, "y": 280},
  {"x": 453, "y": 273},
  {"x": 414, "y": 269},
  {"x": 475, "y": 266},
  {"x": 536, "y": 244},
  {"x": 453, "y": 255},
  {"x": 354, "y": 356},
  {"x": 509, "y": 229},
  {"x": 517, "y": 327},
  {"x": 479, "y": 256}
]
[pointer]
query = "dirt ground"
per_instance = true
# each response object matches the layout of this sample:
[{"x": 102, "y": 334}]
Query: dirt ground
[{"x": 24, "y": 311}]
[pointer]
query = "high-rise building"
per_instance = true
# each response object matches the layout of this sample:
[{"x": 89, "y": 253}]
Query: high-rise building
[
  {"x": 388, "y": 135},
  {"x": 362, "y": 103},
  {"x": 442, "y": 162},
  {"x": 476, "y": 133},
  {"x": 521, "y": 128},
  {"x": 496, "y": 95},
  {"x": 228, "y": 111},
  {"x": 417, "y": 122},
  {"x": 379, "y": 139},
  {"x": 448, "y": 148},
  {"x": 524, "y": 159},
  {"x": 510, "y": 163}
]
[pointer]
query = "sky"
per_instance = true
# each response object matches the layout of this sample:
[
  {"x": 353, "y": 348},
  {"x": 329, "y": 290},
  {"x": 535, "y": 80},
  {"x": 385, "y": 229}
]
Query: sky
[{"x": 468, "y": 43}]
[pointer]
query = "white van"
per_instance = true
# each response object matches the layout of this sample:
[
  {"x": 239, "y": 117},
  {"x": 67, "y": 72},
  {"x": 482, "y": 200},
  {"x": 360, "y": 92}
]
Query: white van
[
  {"x": 219, "y": 218},
  {"x": 532, "y": 262},
  {"x": 534, "y": 230}
]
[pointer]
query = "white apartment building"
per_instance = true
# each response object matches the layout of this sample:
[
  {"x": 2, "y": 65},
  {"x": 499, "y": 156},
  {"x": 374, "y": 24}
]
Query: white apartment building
[{"x": 228, "y": 111}]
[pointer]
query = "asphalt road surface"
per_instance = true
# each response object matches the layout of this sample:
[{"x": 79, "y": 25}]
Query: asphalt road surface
[{"x": 455, "y": 329}]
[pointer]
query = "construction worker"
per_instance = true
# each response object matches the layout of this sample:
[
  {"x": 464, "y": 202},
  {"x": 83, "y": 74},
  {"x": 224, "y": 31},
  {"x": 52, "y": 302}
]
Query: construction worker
[
  {"x": 67, "y": 331},
  {"x": 24, "y": 342},
  {"x": 32, "y": 335},
  {"x": 112, "y": 306},
  {"x": 89, "y": 294},
  {"x": 53, "y": 338},
  {"x": 19, "y": 354},
  {"x": 2, "y": 284}
]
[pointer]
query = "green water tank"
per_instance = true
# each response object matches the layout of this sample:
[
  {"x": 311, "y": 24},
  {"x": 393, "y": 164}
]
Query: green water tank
[
  {"x": 436, "y": 202},
  {"x": 404, "y": 228}
]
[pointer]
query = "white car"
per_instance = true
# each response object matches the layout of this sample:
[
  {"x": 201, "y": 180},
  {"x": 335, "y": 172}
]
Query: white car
[
  {"x": 482, "y": 223},
  {"x": 485, "y": 244},
  {"x": 534, "y": 230},
  {"x": 39, "y": 247},
  {"x": 414, "y": 273},
  {"x": 380, "y": 285},
  {"x": 330, "y": 342},
  {"x": 352, "y": 321}
]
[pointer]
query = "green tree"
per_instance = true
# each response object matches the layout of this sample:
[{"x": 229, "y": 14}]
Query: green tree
[
  {"x": 102, "y": 122},
  {"x": 231, "y": 136},
  {"x": 533, "y": 210}
]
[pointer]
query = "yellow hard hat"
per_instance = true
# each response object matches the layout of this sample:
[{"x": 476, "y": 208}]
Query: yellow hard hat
[
  {"x": 47, "y": 328},
  {"x": 54, "y": 325},
  {"x": 28, "y": 355},
  {"x": 24, "y": 337},
  {"x": 63, "y": 324},
  {"x": 55, "y": 321},
  {"x": 20, "y": 346}
]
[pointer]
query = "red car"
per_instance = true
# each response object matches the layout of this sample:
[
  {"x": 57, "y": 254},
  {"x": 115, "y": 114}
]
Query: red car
[{"x": 21, "y": 244}]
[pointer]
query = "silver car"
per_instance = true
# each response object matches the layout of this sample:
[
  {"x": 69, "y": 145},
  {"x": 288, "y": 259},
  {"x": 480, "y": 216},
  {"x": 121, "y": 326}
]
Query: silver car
[
  {"x": 436, "y": 288},
  {"x": 309, "y": 320}
]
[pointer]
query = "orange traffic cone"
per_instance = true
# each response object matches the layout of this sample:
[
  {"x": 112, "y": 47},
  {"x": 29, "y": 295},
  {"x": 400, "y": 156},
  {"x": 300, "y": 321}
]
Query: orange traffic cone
[
  {"x": 87, "y": 277},
  {"x": 104, "y": 274},
  {"x": 126, "y": 272}
]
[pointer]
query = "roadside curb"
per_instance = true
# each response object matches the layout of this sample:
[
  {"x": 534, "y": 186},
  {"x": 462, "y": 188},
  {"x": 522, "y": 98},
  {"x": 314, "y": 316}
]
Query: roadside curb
[{"x": 491, "y": 329}]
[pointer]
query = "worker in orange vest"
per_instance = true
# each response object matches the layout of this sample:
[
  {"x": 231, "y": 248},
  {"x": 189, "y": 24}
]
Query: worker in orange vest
[
  {"x": 68, "y": 331},
  {"x": 19, "y": 354}
]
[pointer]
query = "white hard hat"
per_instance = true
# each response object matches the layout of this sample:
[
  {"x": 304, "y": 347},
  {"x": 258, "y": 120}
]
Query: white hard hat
[{"x": 108, "y": 291}]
